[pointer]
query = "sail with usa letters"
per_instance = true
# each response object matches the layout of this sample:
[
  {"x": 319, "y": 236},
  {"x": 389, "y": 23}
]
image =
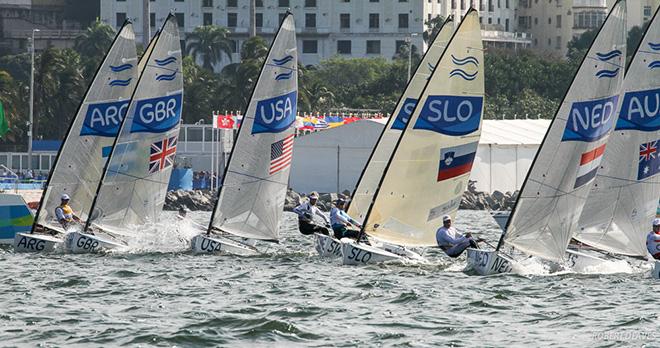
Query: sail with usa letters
[{"x": 622, "y": 203}]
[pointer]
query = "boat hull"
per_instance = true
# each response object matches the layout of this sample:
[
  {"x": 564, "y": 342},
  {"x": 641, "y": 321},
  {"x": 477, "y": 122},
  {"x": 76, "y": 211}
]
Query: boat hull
[
  {"x": 327, "y": 246},
  {"x": 488, "y": 262},
  {"x": 362, "y": 254},
  {"x": 203, "y": 244},
  {"x": 582, "y": 262},
  {"x": 501, "y": 218},
  {"x": 35, "y": 243},
  {"x": 656, "y": 270},
  {"x": 82, "y": 243}
]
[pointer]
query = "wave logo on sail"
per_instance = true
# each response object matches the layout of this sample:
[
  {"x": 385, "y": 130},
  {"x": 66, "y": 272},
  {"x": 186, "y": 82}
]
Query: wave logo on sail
[
  {"x": 122, "y": 83},
  {"x": 157, "y": 115},
  {"x": 654, "y": 64},
  {"x": 654, "y": 46},
  {"x": 590, "y": 120},
  {"x": 276, "y": 114},
  {"x": 282, "y": 61},
  {"x": 104, "y": 119},
  {"x": 404, "y": 114},
  {"x": 607, "y": 73},
  {"x": 450, "y": 115},
  {"x": 165, "y": 61},
  {"x": 284, "y": 76},
  {"x": 604, "y": 57},
  {"x": 639, "y": 111},
  {"x": 466, "y": 62},
  {"x": 120, "y": 68},
  {"x": 167, "y": 77}
]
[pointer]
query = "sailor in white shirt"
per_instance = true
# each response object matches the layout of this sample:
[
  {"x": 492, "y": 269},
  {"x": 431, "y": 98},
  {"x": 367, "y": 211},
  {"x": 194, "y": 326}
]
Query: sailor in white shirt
[
  {"x": 653, "y": 240},
  {"x": 306, "y": 212},
  {"x": 452, "y": 242}
]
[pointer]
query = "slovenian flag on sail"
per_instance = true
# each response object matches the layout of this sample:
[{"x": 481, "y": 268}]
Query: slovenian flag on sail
[
  {"x": 456, "y": 161},
  {"x": 589, "y": 162},
  {"x": 649, "y": 161}
]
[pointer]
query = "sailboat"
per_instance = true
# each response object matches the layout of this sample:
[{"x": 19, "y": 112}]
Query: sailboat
[
  {"x": 553, "y": 195},
  {"x": 430, "y": 166},
  {"x": 251, "y": 199},
  {"x": 81, "y": 159},
  {"x": 132, "y": 189},
  {"x": 622, "y": 202},
  {"x": 328, "y": 246}
]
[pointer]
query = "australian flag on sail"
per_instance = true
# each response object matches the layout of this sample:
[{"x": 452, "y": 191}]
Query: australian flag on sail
[
  {"x": 281, "y": 153},
  {"x": 649, "y": 161},
  {"x": 456, "y": 161},
  {"x": 589, "y": 162},
  {"x": 162, "y": 154}
]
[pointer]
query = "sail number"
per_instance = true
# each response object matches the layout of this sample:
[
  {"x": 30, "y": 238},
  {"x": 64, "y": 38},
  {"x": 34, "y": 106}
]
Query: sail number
[
  {"x": 276, "y": 114},
  {"x": 157, "y": 115},
  {"x": 404, "y": 114},
  {"x": 359, "y": 255},
  {"x": 209, "y": 245},
  {"x": 104, "y": 119},
  {"x": 86, "y": 243},
  {"x": 450, "y": 115},
  {"x": 590, "y": 120},
  {"x": 639, "y": 110},
  {"x": 31, "y": 243}
]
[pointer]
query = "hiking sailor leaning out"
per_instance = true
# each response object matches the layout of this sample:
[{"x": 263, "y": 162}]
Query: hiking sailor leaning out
[
  {"x": 306, "y": 212},
  {"x": 653, "y": 240},
  {"x": 64, "y": 213},
  {"x": 340, "y": 221},
  {"x": 452, "y": 242}
]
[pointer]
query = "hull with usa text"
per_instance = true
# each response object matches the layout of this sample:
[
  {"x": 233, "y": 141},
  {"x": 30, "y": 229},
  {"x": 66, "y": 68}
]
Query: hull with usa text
[{"x": 203, "y": 244}]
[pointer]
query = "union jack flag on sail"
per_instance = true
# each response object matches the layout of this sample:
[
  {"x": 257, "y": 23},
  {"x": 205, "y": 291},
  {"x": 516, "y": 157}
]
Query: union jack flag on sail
[
  {"x": 162, "y": 154},
  {"x": 281, "y": 153},
  {"x": 649, "y": 161}
]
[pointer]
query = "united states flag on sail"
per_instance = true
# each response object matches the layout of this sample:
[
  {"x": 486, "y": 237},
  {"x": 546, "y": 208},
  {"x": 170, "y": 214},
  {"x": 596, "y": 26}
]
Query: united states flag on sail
[
  {"x": 589, "y": 162},
  {"x": 649, "y": 161},
  {"x": 162, "y": 154},
  {"x": 281, "y": 153}
]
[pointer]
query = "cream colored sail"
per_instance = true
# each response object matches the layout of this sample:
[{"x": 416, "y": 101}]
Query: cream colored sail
[
  {"x": 373, "y": 171},
  {"x": 431, "y": 163}
]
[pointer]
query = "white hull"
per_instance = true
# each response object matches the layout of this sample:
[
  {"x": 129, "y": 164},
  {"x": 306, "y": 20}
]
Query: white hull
[
  {"x": 656, "y": 270},
  {"x": 34, "y": 243},
  {"x": 487, "y": 262},
  {"x": 203, "y": 244},
  {"x": 581, "y": 262},
  {"x": 501, "y": 217},
  {"x": 82, "y": 243},
  {"x": 362, "y": 254},
  {"x": 327, "y": 246}
]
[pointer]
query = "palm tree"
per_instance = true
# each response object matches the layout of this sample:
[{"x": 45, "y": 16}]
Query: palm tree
[
  {"x": 93, "y": 44},
  {"x": 209, "y": 42},
  {"x": 255, "y": 48}
]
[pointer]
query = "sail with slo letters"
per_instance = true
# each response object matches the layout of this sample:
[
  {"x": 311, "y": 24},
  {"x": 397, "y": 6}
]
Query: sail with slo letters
[
  {"x": 623, "y": 200},
  {"x": 554, "y": 193},
  {"x": 251, "y": 198},
  {"x": 431, "y": 164},
  {"x": 132, "y": 192},
  {"x": 84, "y": 152},
  {"x": 373, "y": 171}
]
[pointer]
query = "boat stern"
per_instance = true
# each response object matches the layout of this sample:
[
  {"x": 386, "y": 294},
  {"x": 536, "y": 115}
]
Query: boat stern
[
  {"x": 362, "y": 254},
  {"x": 35, "y": 243},
  {"x": 327, "y": 246},
  {"x": 83, "y": 243},
  {"x": 487, "y": 262}
]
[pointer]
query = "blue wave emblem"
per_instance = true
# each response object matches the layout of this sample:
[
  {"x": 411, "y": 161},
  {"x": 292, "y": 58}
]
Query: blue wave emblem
[
  {"x": 166, "y": 77},
  {"x": 464, "y": 61},
  {"x": 166, "y": 61},
  {"x": 122, "y": 83},
  {"x": 654, "y": 64},
  {"x": 607, "y": 73},
  {"x": 282, "y": 61},
  {"x": 463, "y": 74},
  {"x": 120, "y": 68},
  {"x": 654, "y": 46},
  {"x": 609, "y": 55},
  {"x": 284, "y": 76}
]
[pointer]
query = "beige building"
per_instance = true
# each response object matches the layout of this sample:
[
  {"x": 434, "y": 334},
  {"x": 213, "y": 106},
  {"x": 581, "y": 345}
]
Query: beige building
[{"x": 639, "y": 11}]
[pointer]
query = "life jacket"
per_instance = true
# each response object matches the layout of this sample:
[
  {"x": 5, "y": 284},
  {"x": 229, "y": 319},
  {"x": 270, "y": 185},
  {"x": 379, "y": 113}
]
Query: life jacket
[{"x": 67, "y": 212}]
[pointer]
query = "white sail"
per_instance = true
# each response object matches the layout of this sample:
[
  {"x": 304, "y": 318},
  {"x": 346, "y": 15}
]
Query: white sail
[
  {"x": 373, "y": 171},
  {"x": 251, "y": 198},
  {"x": 553, "y": 195},
  {"x": 84, "y": 152},
  {"x": 623, "y": 199},
  {"x": 133, "y": 189},
  {"x": 431, "y": 164}
]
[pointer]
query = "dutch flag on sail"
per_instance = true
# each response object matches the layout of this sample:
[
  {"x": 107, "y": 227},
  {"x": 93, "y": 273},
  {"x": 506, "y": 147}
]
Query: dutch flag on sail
[
  {"x": 456, "y": 161},
  {"x": 589, "y": 162}
]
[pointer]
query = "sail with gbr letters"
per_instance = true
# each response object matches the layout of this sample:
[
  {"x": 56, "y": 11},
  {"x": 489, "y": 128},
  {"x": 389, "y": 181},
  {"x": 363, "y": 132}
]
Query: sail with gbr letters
[
  {"x": 80, "y": 161},
  {"x": 623, "y": 199},
  {"x": 373, "y": 171},
  {"x": 431, "y": 164},
  {"x": 132, "y": 191},
  {"x": 556, "y": 188},
  {"x": 251, "y": 199}
]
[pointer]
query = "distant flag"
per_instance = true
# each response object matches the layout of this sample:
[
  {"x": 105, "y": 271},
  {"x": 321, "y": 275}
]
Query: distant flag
[
  {"x": 589, "y": 163},
  {"x": 281, "y": 153},
  {"x": 223, "y": 122},
  {"x": 649, "y": 161},
  {"x": 456, "y": 161},
  {"x": 4, "y": 126}
]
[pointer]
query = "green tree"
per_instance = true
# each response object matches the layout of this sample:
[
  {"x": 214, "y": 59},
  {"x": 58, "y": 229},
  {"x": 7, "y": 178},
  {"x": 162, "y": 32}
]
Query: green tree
[
  {"x": 209, "y": 43},
  {"x": 434, "y": 25},
  {"x": 635, "y": 36},
  {"x": 254, "y": 48},
  {"x": 92, "y": 45},
  {"x": 200, "y": 92},
  {"x": 578, "y": 46}
]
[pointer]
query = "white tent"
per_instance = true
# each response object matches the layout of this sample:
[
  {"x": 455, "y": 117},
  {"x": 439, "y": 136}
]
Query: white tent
[{"x": 332, "y": 160}]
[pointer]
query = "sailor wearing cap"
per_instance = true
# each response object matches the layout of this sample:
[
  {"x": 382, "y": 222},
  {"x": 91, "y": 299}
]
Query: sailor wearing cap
[
  {"x": 306, "y": 212},
  {"x": 64, "y": 213},
  {"x": 452, "y": 242},
  {"x": 340, "y": 221},
  {"x": 653, "y": 240}
]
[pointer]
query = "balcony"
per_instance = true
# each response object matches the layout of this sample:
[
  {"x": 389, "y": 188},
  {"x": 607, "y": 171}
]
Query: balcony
[
  {"x": 505, "y": 36},
  {"x": 590, "y": 3}
]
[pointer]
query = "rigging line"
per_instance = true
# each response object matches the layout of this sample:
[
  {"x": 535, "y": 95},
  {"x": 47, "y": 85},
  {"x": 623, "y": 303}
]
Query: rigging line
[
  {"x": 162, "y": 68},
  {"x": 281, "y": 67}
]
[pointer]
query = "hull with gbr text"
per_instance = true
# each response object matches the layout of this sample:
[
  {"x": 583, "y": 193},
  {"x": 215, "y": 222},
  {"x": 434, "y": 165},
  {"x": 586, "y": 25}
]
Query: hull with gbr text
[
  {"x": 82, "y": 243},
  {"x": 35, "y": 243}
]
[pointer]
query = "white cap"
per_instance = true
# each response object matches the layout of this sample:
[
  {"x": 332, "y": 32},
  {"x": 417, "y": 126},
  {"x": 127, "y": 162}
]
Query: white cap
[
  {"x": 656, "y": 222},
  {"x": 313, "y": 195},
  {"x": 65, "y": 197},
  {"x": 446, "y": 218}
]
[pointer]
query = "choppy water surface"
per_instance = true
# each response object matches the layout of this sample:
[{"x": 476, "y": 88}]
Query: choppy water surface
[{"x": 160, "y": 295}]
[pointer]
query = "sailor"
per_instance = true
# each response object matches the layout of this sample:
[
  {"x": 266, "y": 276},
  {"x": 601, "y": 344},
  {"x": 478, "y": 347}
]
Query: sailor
[
  {"x": 64, "y": 213},
  {"x": 306, "y": 212},
  {"x": 653, "y": 240},
  {"x": 452, "y": 242},
  {"x": 340, "y": 221}
]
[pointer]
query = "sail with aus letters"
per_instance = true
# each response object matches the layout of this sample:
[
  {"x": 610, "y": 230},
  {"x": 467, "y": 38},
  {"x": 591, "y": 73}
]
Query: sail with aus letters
[
  {"x": 251, "y": 199},
  {"x": 373, "y": 171},
  {"x": 132, "y": 191},
  {"x": 554, "y": 193},
  {"x": 431, "y": 164},
  {"x": 623, "y": 199},
  {"x": 84, "y": 153}
]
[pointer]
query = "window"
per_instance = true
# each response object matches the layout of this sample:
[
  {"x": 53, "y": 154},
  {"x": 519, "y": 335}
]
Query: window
[
  {"x": 506, "y": 24},
  {"x": 374, "y": 20},
  {"x": 345, "y": 20},
  {"x": 344, "y": 46},
  {"x": 178, "y": 0},
  {"x": 549, "y": 42},
  {"x": 121, "y": 18},
  {"x": 232, "y": 3},
  {"x": 398, "y": 45},
  {"x": 490, "y": 20},
  {"x": 258, "y": 20},
  {"x": 121, "y": 0},
  {"x": 558, "y": 21},
  {"x": 549, "y": 20},
  {"x": 373, "y": 46},
  {"x": 403, "y": 0},
  {"x": 536, "y": 20},
  {"x": 283, "y": 3},
  {"x": 462, "y": 4},
  {"x": 281, "y": 17},
  {"x": 507, "y": 3},
  {"x": 232, "y": 19},
  {"x": 453, "y": 4},
  {"x": 180, "y": 19},
  {"x": 259, "y": 3},
  {"x": 208, "y": 18},
  {"x": 310, "y": 3},
  {"x": 310, "y": 46},
  {"x": 376, "y": 0},
  {"x": 234, "y": 46},
  {"x": 152, "y": 19},
  {"x": 403, "y": 20},
  {"x": 558, "y": 43},
  {"x": 310, "y": 20},
  {"x": 588, "y": 19},
  {"x": 207, "y": 3},
  {"x": 647, "y": 11}
]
